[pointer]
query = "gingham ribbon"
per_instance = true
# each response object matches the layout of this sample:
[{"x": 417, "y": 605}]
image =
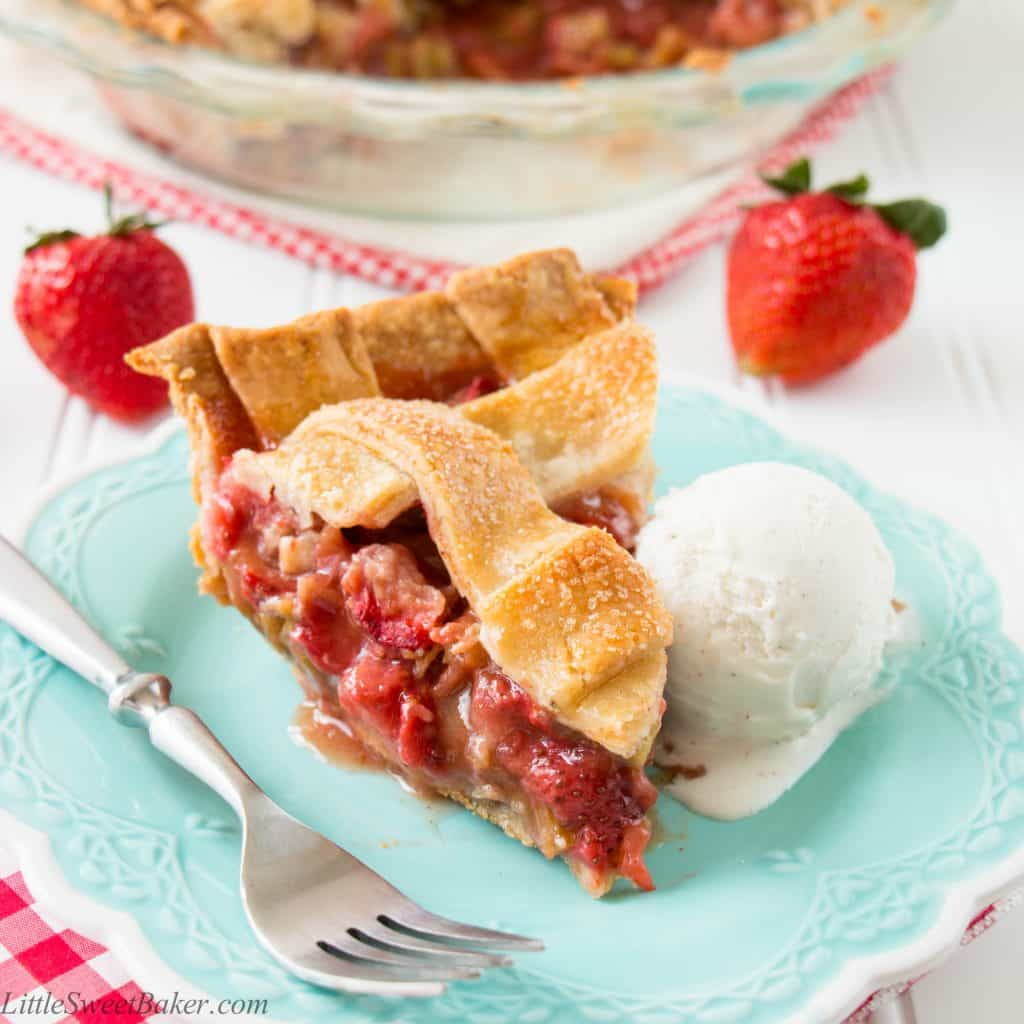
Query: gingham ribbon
[{"x": 47, "y": 970}]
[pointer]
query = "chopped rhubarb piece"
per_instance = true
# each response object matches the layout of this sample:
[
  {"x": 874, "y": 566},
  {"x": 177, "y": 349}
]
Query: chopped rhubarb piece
[
  {"x": 333, "y": 551},
  {"x": 260, "y": 583},
  {"x": 388, "y": 595},
  {"x": 323, "y": 627},
  {"x": 223, "y": 523},
  {"x": 417, "y": 732}
]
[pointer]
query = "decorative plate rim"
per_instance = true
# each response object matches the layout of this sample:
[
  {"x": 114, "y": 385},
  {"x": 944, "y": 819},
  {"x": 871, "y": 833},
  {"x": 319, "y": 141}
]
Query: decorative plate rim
[{"x": 858, "y": 979}]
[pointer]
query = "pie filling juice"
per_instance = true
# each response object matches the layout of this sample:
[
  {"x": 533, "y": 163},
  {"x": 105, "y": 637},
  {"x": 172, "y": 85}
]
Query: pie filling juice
[{"x": 387, "y": 646}]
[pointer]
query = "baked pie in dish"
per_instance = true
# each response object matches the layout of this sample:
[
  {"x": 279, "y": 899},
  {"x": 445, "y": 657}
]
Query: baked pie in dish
[
  {"x": 504, "y": 40},
  {"x": 426, "y": 504}
]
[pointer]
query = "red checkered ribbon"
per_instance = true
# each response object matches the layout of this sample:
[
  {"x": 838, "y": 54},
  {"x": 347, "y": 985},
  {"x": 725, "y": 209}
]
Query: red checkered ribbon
[
  {"x": 388, "y": 267},
  {"x": 50, "y": 974}
]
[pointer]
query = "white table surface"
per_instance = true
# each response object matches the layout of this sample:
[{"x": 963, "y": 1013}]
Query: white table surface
[{"x": 935, "y": 415}]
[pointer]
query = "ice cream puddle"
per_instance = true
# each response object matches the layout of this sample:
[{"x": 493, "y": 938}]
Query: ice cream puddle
[
  {"x": 782, "y": 593},
  {"x": 733, "y": 778}
]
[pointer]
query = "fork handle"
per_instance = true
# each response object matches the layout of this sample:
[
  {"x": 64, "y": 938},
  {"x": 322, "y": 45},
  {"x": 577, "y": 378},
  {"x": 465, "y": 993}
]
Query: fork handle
[{"x": 35, "y": 608}]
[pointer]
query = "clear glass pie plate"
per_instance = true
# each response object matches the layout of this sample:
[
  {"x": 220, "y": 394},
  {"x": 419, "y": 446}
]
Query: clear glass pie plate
[{"x": 463, "y": 150}]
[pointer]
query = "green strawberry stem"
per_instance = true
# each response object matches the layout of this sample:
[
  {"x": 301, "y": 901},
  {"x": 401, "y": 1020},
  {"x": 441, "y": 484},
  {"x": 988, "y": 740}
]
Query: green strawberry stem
[
  {"x": 852, "y": 191},
  {"x": 794, "y": 180},
  {"x": 923, "y": 222},
  {"x": 130, "y": 222},
  {"x": 45, "y": 238},
  {"x": 118, "y": 227}
]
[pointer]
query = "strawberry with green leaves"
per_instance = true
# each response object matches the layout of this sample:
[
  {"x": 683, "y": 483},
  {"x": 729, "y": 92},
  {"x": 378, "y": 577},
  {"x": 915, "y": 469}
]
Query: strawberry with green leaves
[
  {"x": 83, "y": 302},
  {"x": 815, "y": 279}
]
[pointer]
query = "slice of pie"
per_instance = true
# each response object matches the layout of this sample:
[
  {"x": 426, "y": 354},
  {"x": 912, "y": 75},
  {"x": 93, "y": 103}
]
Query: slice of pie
[{"x": 448, "y": 574}]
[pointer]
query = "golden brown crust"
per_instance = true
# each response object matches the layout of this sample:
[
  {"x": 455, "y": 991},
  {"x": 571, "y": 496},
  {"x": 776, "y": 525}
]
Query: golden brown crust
[
  {"x": 573, "y": 618},
  {"x": 316, "y": 470},
  {"x": 282, "y": 374},
  {"x": 503, "y": 322},
  {"x": 528, "y": 311},
  {"x": 217, "y": 420},
  {"x": 229, "y": 381},
  {"x": 514, "y": 822},
  {"x": 510, "y": 819},
  {"x": 465, "y": 476},
  {"x": 585, "y": 420},
  {"x": 580, "y": 424},
  {"x": 564, "y": 610},
  {"x": 619, "y": 293},
  {"x": 419, "y": 346}
]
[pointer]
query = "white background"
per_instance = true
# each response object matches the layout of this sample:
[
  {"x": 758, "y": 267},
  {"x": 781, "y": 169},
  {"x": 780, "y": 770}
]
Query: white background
[{"x": 935, "y": 415}]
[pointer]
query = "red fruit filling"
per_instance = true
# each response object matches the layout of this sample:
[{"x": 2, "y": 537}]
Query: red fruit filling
[
  {"x": 387, "y": 595},
  {"x": 589, "y": 790},
  {"x": 478, "y": 387},
  {"x": 617, "y": 512},
  {"x": 388, "y": 647},
  {"x": 530, "y": 39}
]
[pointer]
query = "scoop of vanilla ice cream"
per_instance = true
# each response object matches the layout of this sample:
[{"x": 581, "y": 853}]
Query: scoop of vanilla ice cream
[{"x": 781, "y": 589}]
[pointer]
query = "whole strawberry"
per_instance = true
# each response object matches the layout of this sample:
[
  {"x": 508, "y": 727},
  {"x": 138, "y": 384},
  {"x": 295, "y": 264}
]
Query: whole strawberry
[
  {"x": 818, "y": 278},
  {"x": 83, "y": 302}
]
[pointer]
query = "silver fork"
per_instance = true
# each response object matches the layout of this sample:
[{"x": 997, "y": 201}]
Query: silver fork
[{"x": 320, "y": 912}]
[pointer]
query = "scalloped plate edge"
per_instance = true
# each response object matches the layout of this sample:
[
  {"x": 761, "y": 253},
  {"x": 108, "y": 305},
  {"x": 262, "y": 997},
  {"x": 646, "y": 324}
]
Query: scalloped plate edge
[{"x": 859, "y": 978}]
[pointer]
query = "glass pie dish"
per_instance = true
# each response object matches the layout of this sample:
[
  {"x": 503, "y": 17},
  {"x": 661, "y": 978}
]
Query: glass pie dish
[{"x": 468, "y": 150}]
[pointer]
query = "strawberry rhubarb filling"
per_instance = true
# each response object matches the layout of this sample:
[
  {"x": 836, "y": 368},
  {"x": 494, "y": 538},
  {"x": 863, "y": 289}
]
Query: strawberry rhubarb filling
[
  {"x": 386, "y": 645},
  {"x": 531, "y": 39}
]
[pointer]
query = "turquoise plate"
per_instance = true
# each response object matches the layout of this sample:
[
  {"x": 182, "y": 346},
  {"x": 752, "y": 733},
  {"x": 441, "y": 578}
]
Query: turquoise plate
[{"x": 869, "y": 868}]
